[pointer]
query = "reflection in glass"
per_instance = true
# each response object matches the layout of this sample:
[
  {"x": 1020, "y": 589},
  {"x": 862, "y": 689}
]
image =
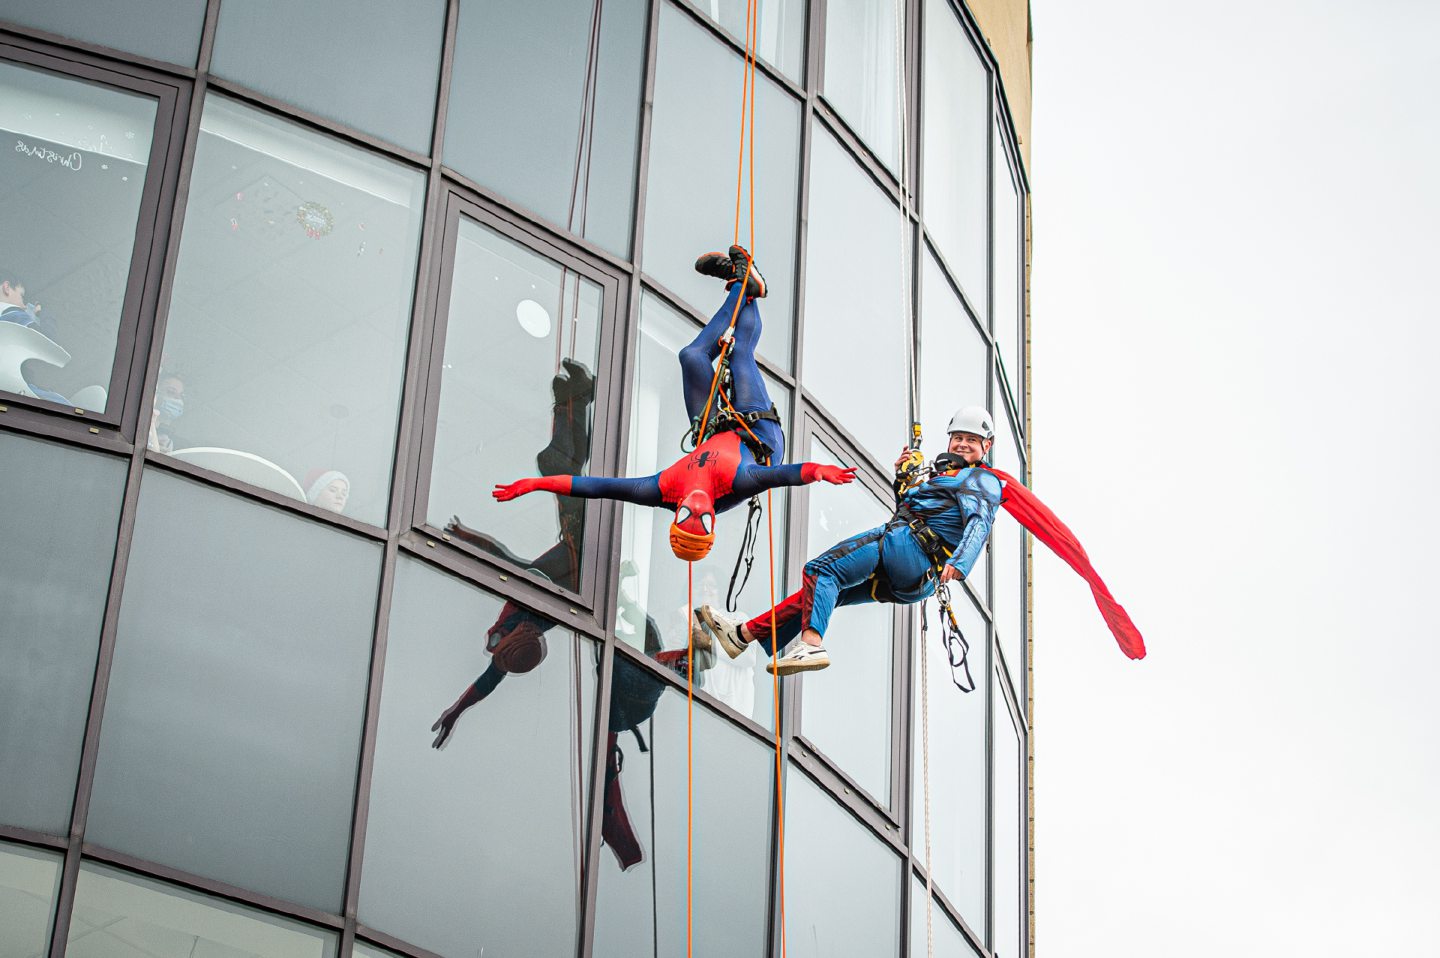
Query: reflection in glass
[
  {"x": 845, "y": 710},
  {"x": 1009, "y": 257},
  {"x": 688, "y": 200},
  {"x": 850, "y": 311},
  {"x": 384, "y": 83},
  {"x": 641, "y": 905},
  {"x": 454, "y": 836},
  {"x": 520, "y": 355},
  {"x": 955, "y": 104},
  {"x": 29, "y": 882},
  {"x": 953, "y": 364},
  {"x": 780, "y": 40},
  {"x": 652, "y": 581},
  {"x": 545, "y": 109},
  {"x": 949, "y": 941},
  {"x": 71, "y": 177},
  {"x": 232, "y": 722},
  {"x": 58, "y": 520},
  {"x": 956, "y": 763},
  {"x": 291, "y": 310},
  {"x": 1009, "y": 839},
  {"x": 120, "y": 914},
  {"x": 842, "y": 884},
  {"x": 860, "y": 73}
]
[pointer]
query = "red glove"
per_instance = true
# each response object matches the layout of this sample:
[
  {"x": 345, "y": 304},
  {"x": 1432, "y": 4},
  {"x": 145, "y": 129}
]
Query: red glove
[
  {"x": 556, "y": 484},
  {"x": 814, "y": 471}
]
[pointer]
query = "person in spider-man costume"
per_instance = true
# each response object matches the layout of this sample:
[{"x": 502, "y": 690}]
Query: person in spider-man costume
[{"x": 733, "y": 464}]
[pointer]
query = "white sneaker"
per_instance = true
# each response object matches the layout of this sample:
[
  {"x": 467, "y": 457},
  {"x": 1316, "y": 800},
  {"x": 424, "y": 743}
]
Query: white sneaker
[
  {"x": 726, "y": 630},
  {"x": 800, "y": 658}
]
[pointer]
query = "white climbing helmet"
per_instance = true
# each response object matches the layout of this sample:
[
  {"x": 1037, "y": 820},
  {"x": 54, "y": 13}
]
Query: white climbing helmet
[{"x": 973, "y": 419}]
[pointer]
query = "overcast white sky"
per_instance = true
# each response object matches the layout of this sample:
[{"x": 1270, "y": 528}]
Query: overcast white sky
[{"x": 1236, "y": 338}]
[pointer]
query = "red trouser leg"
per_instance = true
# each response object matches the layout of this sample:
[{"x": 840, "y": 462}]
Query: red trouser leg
[{"x": 792, "y": 615}]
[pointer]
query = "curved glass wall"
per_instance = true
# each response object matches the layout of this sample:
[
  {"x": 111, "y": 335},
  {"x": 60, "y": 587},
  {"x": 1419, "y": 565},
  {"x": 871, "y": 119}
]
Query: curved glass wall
[{"x": 281, "y": 675}]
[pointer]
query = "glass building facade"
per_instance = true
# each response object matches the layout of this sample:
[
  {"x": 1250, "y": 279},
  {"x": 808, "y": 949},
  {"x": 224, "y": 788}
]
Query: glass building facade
[{"x": 289, "y": 287}]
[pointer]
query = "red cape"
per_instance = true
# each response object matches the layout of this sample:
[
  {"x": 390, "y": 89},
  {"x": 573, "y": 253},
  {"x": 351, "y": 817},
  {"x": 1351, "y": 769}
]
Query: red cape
[{"x": 1034, "y": 515}]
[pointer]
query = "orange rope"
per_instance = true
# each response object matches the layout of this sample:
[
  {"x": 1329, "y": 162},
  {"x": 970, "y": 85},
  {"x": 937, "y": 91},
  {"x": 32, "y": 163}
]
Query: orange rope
[
  {"x": 746, "y": 158},
  {"x": 689, "y": 759}
]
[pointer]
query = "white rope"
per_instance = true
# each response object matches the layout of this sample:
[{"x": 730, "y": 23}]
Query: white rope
[{"x": 903, "y": 167}]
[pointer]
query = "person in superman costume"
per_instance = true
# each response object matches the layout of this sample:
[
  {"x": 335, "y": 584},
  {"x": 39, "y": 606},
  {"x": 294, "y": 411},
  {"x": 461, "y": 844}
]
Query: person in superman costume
[
  {"x": 939, "y": 527},
  {"x": 736, "y": 461}
]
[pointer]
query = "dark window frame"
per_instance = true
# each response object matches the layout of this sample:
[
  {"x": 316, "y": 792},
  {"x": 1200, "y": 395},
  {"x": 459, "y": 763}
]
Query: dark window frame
[{"x": 147, "y": 250}]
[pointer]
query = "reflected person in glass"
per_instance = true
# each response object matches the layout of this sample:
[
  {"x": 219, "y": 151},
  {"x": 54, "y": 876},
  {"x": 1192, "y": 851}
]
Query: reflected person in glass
[
  {"x": 733, "y": 461},
  {"x": 518, "y": 647},
  {"x": 940, "y": 525}
]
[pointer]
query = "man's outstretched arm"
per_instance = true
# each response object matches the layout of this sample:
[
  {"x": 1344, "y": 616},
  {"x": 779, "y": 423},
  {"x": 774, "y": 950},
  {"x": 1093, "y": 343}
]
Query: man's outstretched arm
[{"x": 642, "y": 491}]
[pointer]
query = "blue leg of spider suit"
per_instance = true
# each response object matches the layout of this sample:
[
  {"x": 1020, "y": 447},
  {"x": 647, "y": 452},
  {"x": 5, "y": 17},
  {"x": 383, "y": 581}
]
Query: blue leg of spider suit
[
  {"x": 697, "y": 369},
  {"x": 842, "y": 576}
]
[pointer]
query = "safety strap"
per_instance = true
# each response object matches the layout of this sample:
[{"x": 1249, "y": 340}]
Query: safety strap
[
  {"x": 728, "y": 420},
  {"x": 957, "y": 649},
  {"x": 746, "y": 555}
]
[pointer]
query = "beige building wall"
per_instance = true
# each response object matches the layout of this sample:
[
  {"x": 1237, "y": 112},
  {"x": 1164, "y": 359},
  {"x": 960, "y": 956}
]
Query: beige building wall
[{"x": 1006, "y": 26}]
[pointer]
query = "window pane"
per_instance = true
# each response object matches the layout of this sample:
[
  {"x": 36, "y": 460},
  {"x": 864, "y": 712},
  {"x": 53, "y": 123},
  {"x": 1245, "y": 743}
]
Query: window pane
[
  {"x": 957, "y": 765},
  {"x": 954, "y": 359},
  {"x": 1009, "y": 839},
  {"x": 384, "y": 82},
  {"x": 525, "y": 121},
  {"x": 690, "y": 207},
  {"x": 842, "y": 885},
  {"x": 653, "y": 615},
  {"x": 289, "y": 321},
  {"x": 1007, "y": 547},
  {"x": 950, "y": 942},
  {"x": 860, "y": 79},
  {"x": 519, "y": 369},
  {"x": 240, "y": 670},
  {"x": 29, "y": 882},
  {"x": 1009, "y": 257},
  {"x": 161, "y": 29},
  {"x": 845, "y": 710},
  {"x": 51, "y": 605},
  {"x": 851, "y": 222},
  {"x": 641, "y": 903},
  {"x": 955, "y": 99},
  {"x": 118, "y": 915},
  {"x": 781, "y": 37},
  {"x": 500, "y": 809},
  {"x": 73, "y": 179}
]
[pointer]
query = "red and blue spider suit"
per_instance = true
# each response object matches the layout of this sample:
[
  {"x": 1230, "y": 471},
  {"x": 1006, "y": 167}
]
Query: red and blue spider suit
[{"x": 723, "y": 471}]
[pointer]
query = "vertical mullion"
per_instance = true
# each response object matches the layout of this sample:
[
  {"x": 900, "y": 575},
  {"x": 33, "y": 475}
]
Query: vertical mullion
[{"x": 70, "y": 874}]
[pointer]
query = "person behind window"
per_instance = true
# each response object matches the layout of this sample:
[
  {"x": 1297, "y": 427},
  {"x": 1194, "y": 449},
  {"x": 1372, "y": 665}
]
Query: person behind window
[
  {"x": 169, "y": 407},
  {"x": 327, "y": 488},
  {"x": 14, "y": 309}
]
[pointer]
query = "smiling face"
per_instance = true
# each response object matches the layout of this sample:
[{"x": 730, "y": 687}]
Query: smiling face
[{"x": 970, "y": 447}]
